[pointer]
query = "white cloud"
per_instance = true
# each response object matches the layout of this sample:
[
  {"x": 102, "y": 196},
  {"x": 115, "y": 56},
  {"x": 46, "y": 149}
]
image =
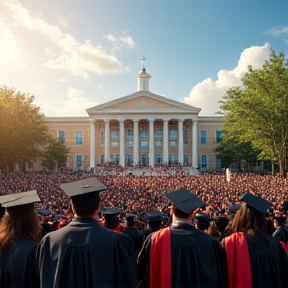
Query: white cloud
[
  {"x": 73, "y": 105},
  {"x": 119, "y": 42},
  {"x": 208, "y": 93},
  {"x": 129, "y": 41},
  {"x": 65, "y": 52},
  {"x": 277, "y": 31}
]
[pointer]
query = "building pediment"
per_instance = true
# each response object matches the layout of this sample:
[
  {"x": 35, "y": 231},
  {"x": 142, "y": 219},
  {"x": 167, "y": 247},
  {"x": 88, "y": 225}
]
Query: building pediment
[{"x": 142, "y": 102}]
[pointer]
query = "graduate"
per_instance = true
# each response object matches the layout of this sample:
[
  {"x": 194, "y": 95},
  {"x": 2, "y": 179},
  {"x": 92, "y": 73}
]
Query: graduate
[
  {"x": 19, "y": 232},
  {"x": 83, "y": 253},
  {"x": 181, "y": 255},
  {"x": 254, "y": 258}
]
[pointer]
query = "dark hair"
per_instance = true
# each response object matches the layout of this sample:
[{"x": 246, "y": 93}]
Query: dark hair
[
  {"x": 111, "y": 221},
  {"x": 178, "y": 213},
  {"x": 86, "y": 204},
  {"x": 20, "y": 222},
  {"x": 248, "y": 220}
]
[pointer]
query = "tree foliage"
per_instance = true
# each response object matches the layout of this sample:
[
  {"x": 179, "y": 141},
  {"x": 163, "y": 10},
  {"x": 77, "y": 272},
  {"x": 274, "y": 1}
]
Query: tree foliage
[
  {"x": 55, "y": 155},
  {"x": 22, "y": 128},
  {"x": 231, "y": 151},
  {"x": 258, "y": 113}
]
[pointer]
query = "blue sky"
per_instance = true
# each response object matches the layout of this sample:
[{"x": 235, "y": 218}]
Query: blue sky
[{"x": 72, "y": 55}]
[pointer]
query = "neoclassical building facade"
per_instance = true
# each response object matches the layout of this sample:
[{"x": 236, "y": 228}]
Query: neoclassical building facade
[{"x": 140, "y": 128}]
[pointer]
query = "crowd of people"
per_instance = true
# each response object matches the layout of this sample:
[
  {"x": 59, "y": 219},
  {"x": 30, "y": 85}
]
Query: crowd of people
[
  {"x": 169, "y": 200},
  {"x": 140, "y": 194}
]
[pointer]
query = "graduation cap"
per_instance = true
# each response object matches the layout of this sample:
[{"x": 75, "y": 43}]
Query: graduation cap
[
  {"x": 153, "y": 215},
  {"x": 111, "y": 211},
  {"x": 202, "y": 217},
  {"x": 184, "y": 200},
  {"x": 256, "y": 202},
  {"x": 81, "y": 187},
  {"x": 18, "y": 199},
  {"x": 222, "y": 221}
]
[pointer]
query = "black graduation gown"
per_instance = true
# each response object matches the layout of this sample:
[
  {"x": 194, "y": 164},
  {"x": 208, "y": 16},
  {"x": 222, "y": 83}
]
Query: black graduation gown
[
  {"x": 281, "y": 234},
  {"x": 136, "y": 238},
  {"x": 269, "y": 261},
  {"x": 85, "y": 254},
  {"x": 18, "y": 265},
  {"x": 197, "y": 260}
]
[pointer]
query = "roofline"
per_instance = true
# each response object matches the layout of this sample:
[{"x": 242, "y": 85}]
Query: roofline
[{"x": 67, "y": 119}]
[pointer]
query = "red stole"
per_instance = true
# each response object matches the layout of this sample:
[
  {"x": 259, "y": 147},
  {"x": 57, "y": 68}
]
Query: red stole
[
  {"x": 117, "y": 230},
  {"x": 238, "y": 261},
  {"x": 285, "y": 246},
  {"x": 160, "y": 259}
]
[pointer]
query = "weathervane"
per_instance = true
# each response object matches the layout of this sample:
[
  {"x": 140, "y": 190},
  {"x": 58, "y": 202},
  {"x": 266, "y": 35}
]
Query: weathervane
[{"x": 143, "y": 61}]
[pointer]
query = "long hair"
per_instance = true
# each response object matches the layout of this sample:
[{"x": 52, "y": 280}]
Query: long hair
[
  {"x": 20, "y": 222},
  {"x": 248, "y": 220}
]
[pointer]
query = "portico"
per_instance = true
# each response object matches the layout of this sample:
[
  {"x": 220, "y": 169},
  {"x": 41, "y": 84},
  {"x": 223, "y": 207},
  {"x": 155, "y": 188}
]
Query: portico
[{"x": 143, "y": 128}]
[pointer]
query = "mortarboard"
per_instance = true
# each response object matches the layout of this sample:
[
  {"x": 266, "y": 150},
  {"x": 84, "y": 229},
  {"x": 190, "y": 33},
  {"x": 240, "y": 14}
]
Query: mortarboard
[
  {"x": 256, "y": 202},
  {"x": 111, "y": 211},
  {"x": 17, "y": 199},
  {"x": 184, "y": 200},
  {"x": 153, "y": 215},
  {"x": 202, "y": 217},
  {"x": 81, "y": 187}
]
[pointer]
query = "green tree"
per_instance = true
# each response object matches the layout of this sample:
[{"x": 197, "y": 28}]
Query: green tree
[
  {"x": 55, "y": 155},
  {"x": 230, "y": 150},
  {"x": 258, "y": 112},
  {"x": 22, "y": 128}
]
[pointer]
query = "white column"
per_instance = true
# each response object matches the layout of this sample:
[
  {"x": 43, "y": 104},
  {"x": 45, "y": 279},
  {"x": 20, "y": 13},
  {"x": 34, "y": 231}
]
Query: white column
[
  {"x": 92, "y": 144},
  {"x": 195, "y": 145},
  {"x": 136, "y": 142},
  {"x": 151, "y": 142},
  {"x": 180, "y": 142},
  {"x": 165, "y": 141},
  {"x": 122, "y": 144},
  {"x": 107, "y": 156}
]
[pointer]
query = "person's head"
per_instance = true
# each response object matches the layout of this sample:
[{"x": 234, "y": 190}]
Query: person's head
[
  {"x": 20, "y": 220},
  {"x": 248, "y": 220},
  {"x": 111, "y": 216},
  {"x": 279, "y": 221},
  {"x": 131, "y": 220},
  {"x": 85, "y": 196},
  {"x": 184, "y": 204},
  {"x": 202, "y": 221}
]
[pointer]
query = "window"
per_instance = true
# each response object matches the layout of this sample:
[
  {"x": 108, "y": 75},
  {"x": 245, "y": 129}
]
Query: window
[
  {"x": 115, "y": 158},
  {"x": 61, "y": 136},
  {"x": 129, "y": 133},
  {"x": 129, "y": 143},
  {"x": 172, "y": 158},
  {"x": 219, "y": 135},
  {"x": 114, "y": 134},
  {"x": 79, "y": 162},
  {"x": 129, "y": 159},
  {"x": 143, "y": 132},
  {"x": 114, "y": 144},
  {"x": 143, "y": 144},
  {"x": 158, "y": 133},
  {"x": 217, "y": 163},
  {"x": 173, "y": 143},
  {"x": 102, "y": 159},
  {"x": 186, "y": 158},
  {"x": 203, "y": 162},
  {"x": 173, "y": 134},
  {"x": 185, "y": 135},
  {"x": 159, "y": 158},
  {"x": 79, "y": 137},
  {"x": 203, "y": 136},
  {"x": 158, "y": 143},
  {"x": 102, "y": 136}
]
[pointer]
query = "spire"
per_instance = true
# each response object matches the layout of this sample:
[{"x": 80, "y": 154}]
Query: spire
[{"x": 143, "y": 64}]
